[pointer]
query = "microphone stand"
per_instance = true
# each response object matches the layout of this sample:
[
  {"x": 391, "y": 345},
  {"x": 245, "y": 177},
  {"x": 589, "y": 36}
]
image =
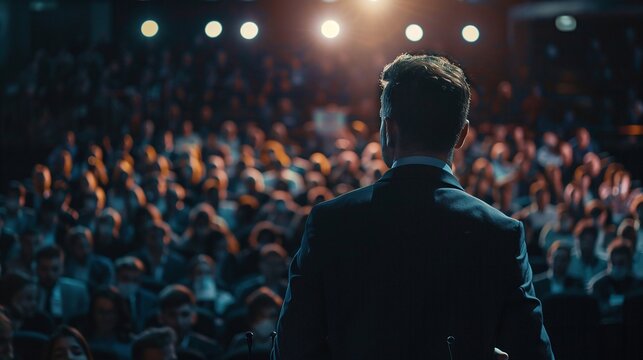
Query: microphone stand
[{"x": 249, "y": 336}]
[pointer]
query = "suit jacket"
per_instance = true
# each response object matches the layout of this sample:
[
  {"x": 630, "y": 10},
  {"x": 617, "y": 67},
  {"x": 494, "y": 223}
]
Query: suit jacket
[
  {"x": 74, "y": 297},
  {"x": 391, "y": 270}
]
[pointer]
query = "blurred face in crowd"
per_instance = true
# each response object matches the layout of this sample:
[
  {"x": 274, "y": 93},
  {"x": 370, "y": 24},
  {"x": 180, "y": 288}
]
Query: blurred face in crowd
[
  {"x": 566, "y": 222},
  {"x": 559, "y": 262},
  {"x": 105, "y": 315},
  {"x": 105, "y": 227},
  {"x": 25, "y": 301},
  {"x": 49, "y": 271},
  {"x": 620, "y": 264},
  {"x": 28, "y": 243},
  {"x": 82, "y": 247},
  {"x": 203, "y": 269},
  {"x": 543, "y": 199},
  {"x": 272, "y": 267},
  {"x": 180, "y": 319},
  {"x": 156, "y": 240},
  {"x": 587, "y": 244},
  {"x": 68, "y": 348},
  {"x": 13, "y": 203},
  {"x": 128, "y": 281},
  {"x": 59, "y": 197}
]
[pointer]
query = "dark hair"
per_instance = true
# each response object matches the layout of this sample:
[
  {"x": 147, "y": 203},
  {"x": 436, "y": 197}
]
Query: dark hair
[
  {"x": 260, "y": 299},
  {"x": 174, "y": 296},
  {"x": 49, "y": 252},
  {"x": 11, "y": 284},
  {"x": 558, "y": 245},
  {"x": 428, "y": 97},
  {"x": 62, "y": 332},
  {"x": 273, "y": 249},
  {"x": 154, "y": 338},
  {"x": 123, "y": 326},
  {"x": 584, "y": 228},
  {"x": 620, "y": 246},
  {"x": 129, "y": 263}
]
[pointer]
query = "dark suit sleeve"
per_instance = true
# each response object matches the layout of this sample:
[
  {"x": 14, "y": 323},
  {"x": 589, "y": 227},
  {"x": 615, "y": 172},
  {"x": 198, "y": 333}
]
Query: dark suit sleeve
[
  {"x": 301, "y": 330},
  {"x": 522, "y": 333}
]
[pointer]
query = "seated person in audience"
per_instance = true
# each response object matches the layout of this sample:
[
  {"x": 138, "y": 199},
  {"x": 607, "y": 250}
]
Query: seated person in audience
[
  {"x": 630, "y": 231},
  {"x": 155, "y": 344},
  {"x": 108, "y": 323},
  {"x": 209, "y": 295},
  {"x": 8, "y": 240},
  {"x": 6, "y": 338},
  {"x": 82, "y": 264},
  {"x": 541, "y": 211},
  {"x": 60, "y": 297},
  {"x": 67, "y": 343},
  {"x": 585, "y": 264},
  {"x": 23, "y": 257},
  {"x": 17, "y": 218},
  {"x": 107, "y": 235},
  {"x": 556, "y": 280},
  {"x": 273, "y": 264},
  {"x": 177, "y": 309},
  {"x": 263, "y": 311},
  {"x": 611, "y": 286},
  {"x": 19, "y": 296},
  {"x": 562, "y": 229},
  {"x": 162, "y": 264},
  {"x": 142, "y": 304}
]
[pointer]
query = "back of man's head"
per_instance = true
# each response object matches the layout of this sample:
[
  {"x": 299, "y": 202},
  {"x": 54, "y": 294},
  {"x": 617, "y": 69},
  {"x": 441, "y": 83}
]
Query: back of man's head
[{"x": 428, "y": 97}]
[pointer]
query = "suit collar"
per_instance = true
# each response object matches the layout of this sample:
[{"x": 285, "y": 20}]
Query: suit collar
[{"x": 421, "y": 171}]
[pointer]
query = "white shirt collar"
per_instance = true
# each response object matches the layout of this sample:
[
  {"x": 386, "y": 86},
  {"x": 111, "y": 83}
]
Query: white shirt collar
[{"x": 422, "y": 160}]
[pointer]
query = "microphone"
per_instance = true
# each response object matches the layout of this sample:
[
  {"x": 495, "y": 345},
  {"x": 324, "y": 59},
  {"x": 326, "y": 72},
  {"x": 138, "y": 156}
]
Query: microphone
[
  {"x": 450, "y": 345},
  {"x": 272, "y": 341},
  {"x": 249, "y": 336}
]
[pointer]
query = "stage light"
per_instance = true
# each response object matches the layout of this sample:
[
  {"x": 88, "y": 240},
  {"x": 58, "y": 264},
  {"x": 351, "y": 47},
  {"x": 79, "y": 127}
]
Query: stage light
[
  {"x": 414, "y": 32},
  {"x": 565, "y": 23},
  {"x": 330, "y": 29},
  {"x": 470, "y": 33},
  {"x": 149, "y": 28},
  {"x": 213, "y": 29},
  {"x": 249, "y": 30}
]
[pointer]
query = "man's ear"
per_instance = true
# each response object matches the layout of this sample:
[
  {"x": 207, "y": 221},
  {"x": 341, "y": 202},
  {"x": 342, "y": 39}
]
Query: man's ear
[
  {"x": 463, "y": 135},
  {"x": 392, "y": 132}
]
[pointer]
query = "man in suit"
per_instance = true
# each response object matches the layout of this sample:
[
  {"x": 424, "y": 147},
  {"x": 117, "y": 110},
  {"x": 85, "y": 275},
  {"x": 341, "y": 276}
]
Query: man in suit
[
  {"x": 142, "y": 304},
  {"x": 60, "y": 297},
  {"x": 397, "y": 269},
  {"x": 177, "y": 309},
  {"x": 162, "y": 264}
]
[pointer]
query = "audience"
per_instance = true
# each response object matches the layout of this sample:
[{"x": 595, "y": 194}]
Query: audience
[{"x": 178, "y": 195}]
